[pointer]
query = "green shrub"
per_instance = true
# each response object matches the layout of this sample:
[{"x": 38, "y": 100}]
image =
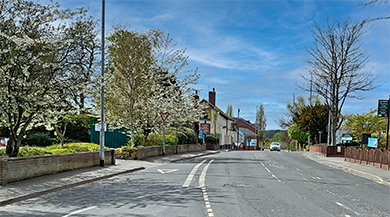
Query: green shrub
[
  {"x": 186, "y": 135},
  {"x": 40, "y": 139},
  {"x": 139, "y": 140},
  {"x": 212, "y": 140},
  {"x": 126, "y": 152},
  {"x": 292, "y": 146},
  {"x": 155, "y": 139},
  {"x": 200, "y": 140},
  {"x": 2, "y": 152},
  {"x": 73, "y": 148},
  {"x": 27, "y": 151}
]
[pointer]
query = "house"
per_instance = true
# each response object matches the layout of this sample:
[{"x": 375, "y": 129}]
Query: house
[
  {"x": 251, "y": 139},
  {"x": 222, "y": 127}
]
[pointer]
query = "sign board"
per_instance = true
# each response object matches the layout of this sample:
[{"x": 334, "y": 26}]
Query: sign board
[
  {"x": 97, "y": 127},
  {"x": 383, "y": 108},
  {"x": 372, "y": 142},
  {"x": 164, "y": 115},
  {"x": 200, "y": 135},
  {"x": 346, "y": 138},
  {"x": 253, "y": 142},
  {"x": 206, "y": 128}
]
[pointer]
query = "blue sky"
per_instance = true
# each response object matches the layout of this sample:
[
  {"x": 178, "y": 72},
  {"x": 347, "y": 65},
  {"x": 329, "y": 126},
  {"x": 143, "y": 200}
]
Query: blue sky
[{"x": 252, "y": 51}]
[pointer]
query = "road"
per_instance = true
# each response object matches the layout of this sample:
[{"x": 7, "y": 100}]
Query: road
[{"x": 236, "y": 183}]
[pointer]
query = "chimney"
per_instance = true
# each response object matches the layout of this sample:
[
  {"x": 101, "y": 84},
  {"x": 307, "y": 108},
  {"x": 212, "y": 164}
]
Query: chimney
[
  {"x": 212, "y": 95},
  {"x": 196, "y": 96}
]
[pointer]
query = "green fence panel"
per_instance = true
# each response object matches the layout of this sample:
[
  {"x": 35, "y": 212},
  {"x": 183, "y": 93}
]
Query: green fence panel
[{"x": 114, "y": 138}]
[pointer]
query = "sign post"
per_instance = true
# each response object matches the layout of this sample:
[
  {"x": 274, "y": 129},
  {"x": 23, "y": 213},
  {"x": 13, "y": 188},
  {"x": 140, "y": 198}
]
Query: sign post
[
  {"x": 164, "y": 117},
  {"x": 384, "y": 111}
]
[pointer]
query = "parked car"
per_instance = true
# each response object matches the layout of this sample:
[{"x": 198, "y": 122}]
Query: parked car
[{"x": 275, "y": 146}]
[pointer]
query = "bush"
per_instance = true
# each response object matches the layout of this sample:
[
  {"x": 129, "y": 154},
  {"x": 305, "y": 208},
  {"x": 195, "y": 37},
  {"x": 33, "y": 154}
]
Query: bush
[
  {"x": 28, "y": 151},
  {"x": 40, "y": 139},
  {"x": 186, "y": 135},
  {"x": 126, "y": 152},
  {"x": 200, "y": 140},
  {"x": 139, "y": 140},
  {"x": 155, "y": 139},
  {"x": 212, "y": 140}
]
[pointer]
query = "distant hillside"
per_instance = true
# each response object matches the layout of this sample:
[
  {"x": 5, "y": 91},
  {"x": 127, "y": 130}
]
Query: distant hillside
[{"x": 269, "y": 134}]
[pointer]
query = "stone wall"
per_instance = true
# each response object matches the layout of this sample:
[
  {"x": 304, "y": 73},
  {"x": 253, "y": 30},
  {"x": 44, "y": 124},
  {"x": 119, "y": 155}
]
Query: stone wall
[
  {"x": 20, "y": 168},
  {"x": 152, "y": 151}
]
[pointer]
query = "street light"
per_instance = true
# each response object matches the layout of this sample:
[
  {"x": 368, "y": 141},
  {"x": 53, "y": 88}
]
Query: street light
[{"x": 101, "y": 153}]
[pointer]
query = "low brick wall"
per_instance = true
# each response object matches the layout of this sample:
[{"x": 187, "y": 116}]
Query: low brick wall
[
  {"x": 315, "y": 148},
  {"x": 20, "y": 168},
  {"x": 152, "y": 151}
]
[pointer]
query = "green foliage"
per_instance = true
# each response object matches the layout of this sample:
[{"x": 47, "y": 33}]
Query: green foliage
[
  {"x": 312, "y": 119},
  {"x": 79, "y": 127},
  {"x": 297, "y": 134},
  {"x": 126, "y": 152},
  {"x": 365, "y": 123},
  {"x": 292, "y": 146},
  {"x": 2, "y": 152},
  {"x": 28, "y": 151},
  {"x": 139, "y": 140},
  {"x": 212, "y": 140},
  {"x": 200, "y": 140},
  {"x": 185, "y": 135},
  {"x": 40, "y": 139},
  {"x": 279, "y": 137},
  {"x": 155, "y": 139}
]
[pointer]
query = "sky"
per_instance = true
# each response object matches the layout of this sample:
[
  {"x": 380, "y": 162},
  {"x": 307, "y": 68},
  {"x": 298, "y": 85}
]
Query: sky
[{"x": 252, "y": 52}]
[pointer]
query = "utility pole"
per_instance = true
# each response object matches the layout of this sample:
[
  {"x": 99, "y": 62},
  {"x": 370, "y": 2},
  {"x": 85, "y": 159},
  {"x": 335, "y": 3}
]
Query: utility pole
[
  {"x": 388, "y": 120},
  {"x": 101, "y": 154},
  {"x": 238, "y": 130}
]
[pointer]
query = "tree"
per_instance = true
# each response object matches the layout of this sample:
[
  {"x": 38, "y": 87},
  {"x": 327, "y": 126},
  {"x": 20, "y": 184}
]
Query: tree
[
  {"x": 376, "y": 3},
  {"x": 337, "y": 61},
  {"x": 313, "y": 119},
  {"x": 33, "y": 62},
  {"x": 147, "y": 76},
  {"x": 83, "y": 50},
  {"x": 130, "y": 83},
  {"x": 175, "y": 83},
  {"x": 229, "y": 111},
  {"x": 261, "y": 122},
  {"x": 295, "y": 109},
  {"x": 297, "y": 134},
  {"x": 365, "y": 123}
]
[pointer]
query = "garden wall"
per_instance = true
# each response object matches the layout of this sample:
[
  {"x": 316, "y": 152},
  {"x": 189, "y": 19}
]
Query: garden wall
[
  {"x": 152, "y": 151},
  {"x": 19, "y": 168}
]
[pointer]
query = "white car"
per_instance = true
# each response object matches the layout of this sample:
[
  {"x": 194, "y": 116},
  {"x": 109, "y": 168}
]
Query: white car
[{"x": 275, "y": 146}]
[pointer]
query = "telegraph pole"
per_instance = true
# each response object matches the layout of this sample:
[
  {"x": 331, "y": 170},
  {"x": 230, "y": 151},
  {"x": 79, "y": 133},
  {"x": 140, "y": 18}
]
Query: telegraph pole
[
  {"x": 388, "y": 120},
  {"x": 238, "y": 130},
  {"x": 101, "y": 155}
]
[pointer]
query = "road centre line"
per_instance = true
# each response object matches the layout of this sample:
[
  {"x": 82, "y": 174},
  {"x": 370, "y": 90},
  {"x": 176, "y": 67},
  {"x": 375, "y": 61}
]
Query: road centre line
[
  {"x": 191, "y": 175},
  {"x": 268, "y": 170},
  {"x": 347, "y": 208},
  {"x": 202, "y": 177},
  {"x": 79, "y": 211}
]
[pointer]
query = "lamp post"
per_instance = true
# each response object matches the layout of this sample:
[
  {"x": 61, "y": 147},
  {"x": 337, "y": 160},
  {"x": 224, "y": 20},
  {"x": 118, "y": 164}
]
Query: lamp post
[
  {"x": 101, "y": 153},
  {"x": 238, "y": 130}
]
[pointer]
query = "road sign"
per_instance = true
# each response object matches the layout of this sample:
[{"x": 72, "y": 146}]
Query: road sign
[
  {"x": 372, "y": 142},
  {"x": 383, "y": 108},
  {"x": 346, "y": 138},
  {"x": 164, "y": 115}
]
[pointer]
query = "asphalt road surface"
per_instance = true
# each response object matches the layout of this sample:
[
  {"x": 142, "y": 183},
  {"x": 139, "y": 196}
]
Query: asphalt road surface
[{"x": 236, "y": 183}]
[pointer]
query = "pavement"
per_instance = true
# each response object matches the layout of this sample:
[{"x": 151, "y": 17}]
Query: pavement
[
  {"x": 31, "y": 188},
  {"x": 35, "y": 187},
  {"x": 378, "y": 175}
]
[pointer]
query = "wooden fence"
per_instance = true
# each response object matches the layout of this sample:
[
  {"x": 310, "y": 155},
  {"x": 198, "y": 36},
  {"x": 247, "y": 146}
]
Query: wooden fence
[
  {"x": 332, "y": 151},
  {"x": 376, "y": 158}
]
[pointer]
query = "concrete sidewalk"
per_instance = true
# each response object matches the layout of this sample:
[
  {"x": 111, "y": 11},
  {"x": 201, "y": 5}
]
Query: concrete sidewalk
[
  {"x": 378, "y": 175},
  {"x": 22, "y": 190}
]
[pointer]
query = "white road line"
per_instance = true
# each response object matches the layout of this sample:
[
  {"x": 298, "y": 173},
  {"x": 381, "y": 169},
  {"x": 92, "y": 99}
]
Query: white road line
[
  {"x": 347, "y": 208},
  {"x": 79, "y": 211},
  {"x": 202, "y": 178},
  {"x": 191, "y": 175},
  {"x": 270, "y": 172}
]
